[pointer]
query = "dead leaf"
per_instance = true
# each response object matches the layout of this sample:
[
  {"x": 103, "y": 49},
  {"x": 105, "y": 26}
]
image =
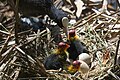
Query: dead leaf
[
  {"x": 106, "y": 57},
  {"x": 79, "y": 4}
]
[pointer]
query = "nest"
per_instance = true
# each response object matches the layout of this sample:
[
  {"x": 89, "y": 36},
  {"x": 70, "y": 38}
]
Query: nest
[{"x": 22, "y": 54}]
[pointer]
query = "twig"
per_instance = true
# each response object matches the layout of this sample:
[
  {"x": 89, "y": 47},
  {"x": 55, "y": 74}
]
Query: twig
[
  {"x": 17, "y": 21},
  {"x": 15, "y": 9},
  {"x": 111, "y": 28},
  {"x": 88, "y": 20},
  {"x": 4, "y": 32},
  {"x": 79, "y": 21},
  {"x": 6, "y": 64},
  {"x": 104, "y": 15},
  {"x": 114, "y": 13},
  {"x": 37, "y": 78},
  {"x": 118, "y": 2},
  {"x": 116, "y": 52},
  {"x": 25, "y": 32},
  {"x": 72, "y": 1},
  {"x": 28, "y": 56},
  {"x": 3, "y": 27},
  {"x": 4, "y": 46},
  {"x": 2, "y": 75},
  {"x": 98, "y": 36},
  {"x": 34, "y": 38},
  {"x": 42, "y": 69},
  {"x": 113, "y": 75},
  {"x": 17, "y": 73},
  {"x": 6, "y": 55}
]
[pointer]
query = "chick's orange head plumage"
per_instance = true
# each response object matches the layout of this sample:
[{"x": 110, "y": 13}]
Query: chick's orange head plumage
[{"x": 74, "y": 67}]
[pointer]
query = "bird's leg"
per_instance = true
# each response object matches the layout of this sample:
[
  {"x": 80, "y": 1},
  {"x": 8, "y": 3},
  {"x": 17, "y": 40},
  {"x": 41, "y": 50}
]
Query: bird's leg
[{"x": 65, "y": 30}]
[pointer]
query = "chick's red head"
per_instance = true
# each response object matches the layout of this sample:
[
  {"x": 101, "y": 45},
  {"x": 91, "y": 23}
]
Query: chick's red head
[
  {"x": 63, "y": 45},
  {"x": 76, "y": 64},
  {"x": 72, "y": 33}
]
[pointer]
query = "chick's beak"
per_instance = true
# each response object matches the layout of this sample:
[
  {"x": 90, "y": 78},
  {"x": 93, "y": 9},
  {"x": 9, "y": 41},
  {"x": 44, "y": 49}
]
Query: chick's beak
[
  {"x": 67, "y": 46},
  {"x": 65, "y": 25}
]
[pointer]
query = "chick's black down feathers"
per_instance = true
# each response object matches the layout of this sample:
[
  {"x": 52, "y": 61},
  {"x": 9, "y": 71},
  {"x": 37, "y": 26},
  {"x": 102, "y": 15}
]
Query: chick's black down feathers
[
  {"x": 75, "y": 49},
  {"x": 58, "y": 58},
  {"x": 54, "y": 61},
  {"x": 76, "y": 46}
]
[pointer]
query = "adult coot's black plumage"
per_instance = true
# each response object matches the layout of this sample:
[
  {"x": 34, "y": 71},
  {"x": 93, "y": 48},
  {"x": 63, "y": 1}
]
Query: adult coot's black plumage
[
  {"x": 31, "y": 22},
  {"x": 40, "y": 7}
]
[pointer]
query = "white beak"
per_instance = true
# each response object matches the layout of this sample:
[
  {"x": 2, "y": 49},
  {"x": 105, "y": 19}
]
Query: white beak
[{"x": 65, "y": 24}]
